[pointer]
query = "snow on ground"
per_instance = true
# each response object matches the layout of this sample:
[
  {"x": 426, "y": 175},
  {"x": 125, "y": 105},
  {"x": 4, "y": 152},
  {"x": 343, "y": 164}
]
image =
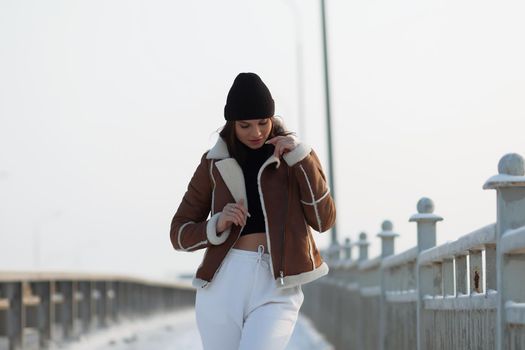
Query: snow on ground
[{"x": 176, "y": 331}]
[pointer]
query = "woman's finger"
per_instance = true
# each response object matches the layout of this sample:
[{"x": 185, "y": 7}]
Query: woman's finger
[
  {"x": 237, "y": 207},
  {"x": 235, "y": 221},
  {"x": 282, "y": 146},
  {"x": 233, "y": 210},
  {"x": 241, "y": 218},
  {"x": 241, "y": 205},
  {"x": 232, "y": 219},
  {"x": 243, "y": 210},
  {"x": 237, "y": 218},
  {"x": 275, "y": 139},
  {"x": 237, "y": 211},
  {"x": 276, "y": 151},
  {"x": 225, "y": 222},
  {"x": 286, "y": 146}
]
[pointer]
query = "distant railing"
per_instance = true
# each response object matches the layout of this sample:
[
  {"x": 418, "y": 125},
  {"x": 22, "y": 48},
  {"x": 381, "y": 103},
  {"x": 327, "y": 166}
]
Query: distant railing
[
  {"x": 60, "y": 307},
  {"x": 466, "y": 294}
]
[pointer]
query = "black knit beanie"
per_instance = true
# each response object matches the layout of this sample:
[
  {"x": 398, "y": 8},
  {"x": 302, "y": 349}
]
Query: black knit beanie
[{"x": 248, "y": 98}]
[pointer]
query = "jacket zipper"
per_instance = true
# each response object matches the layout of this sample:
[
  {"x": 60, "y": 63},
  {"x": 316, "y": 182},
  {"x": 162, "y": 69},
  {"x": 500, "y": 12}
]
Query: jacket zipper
[
  {"x": 261, "y": 197},
  {"x": 283, "y": 242},
  {"x": 281, "y": 270}
]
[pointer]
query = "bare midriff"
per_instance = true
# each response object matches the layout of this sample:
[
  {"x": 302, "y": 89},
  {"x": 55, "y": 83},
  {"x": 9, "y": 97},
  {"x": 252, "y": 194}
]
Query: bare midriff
[{"x": 251, "y": 242}]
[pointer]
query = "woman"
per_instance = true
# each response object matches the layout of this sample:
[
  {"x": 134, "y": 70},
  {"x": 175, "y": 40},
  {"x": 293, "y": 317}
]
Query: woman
[{"x": 264, "y": 189}]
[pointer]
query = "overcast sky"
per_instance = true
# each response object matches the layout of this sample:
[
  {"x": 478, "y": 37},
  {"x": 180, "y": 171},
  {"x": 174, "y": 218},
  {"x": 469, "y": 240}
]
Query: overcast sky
[{"x": 107, "y": 106}]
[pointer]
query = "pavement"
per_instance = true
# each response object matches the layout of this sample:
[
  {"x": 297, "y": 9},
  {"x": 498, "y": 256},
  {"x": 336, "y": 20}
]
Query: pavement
[{"x": 175, "y": 331}]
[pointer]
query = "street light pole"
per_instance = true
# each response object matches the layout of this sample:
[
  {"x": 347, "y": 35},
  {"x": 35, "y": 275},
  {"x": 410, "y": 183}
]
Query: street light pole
[
  {"x": 299, "y": 58},
  {"x": 334, "y": 243}
]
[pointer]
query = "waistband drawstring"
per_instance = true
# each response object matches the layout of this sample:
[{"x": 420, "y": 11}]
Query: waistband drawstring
[{"x": 260, "y": 252}]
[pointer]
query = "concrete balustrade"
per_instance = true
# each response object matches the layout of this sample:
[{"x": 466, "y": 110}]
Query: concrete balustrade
[
  {"x": 61, "y": 307},
  {"x": 465, "y": 294},
  {"x": 510, "y": 197}
]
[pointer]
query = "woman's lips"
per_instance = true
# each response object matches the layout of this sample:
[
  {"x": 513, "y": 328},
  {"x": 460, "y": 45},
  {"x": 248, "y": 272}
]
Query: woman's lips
[{"x": 256, "y": 141}]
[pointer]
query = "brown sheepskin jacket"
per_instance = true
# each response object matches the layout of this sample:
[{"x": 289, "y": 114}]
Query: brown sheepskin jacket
[{"x": 294, "y": 197}]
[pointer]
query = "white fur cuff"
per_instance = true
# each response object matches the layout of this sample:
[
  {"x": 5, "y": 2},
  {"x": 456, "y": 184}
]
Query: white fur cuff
[
  {"x": 211, "y": 231},
  {"x": 298, "y": 154}
]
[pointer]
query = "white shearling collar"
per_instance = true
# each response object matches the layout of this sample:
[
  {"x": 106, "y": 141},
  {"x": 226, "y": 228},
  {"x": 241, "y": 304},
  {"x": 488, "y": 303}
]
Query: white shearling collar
[{"x": 219, "y": 151}]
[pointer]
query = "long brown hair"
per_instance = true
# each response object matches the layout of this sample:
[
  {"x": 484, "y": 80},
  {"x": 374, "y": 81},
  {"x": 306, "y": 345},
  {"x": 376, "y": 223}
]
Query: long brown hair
[{"x": 235, "y": 147}]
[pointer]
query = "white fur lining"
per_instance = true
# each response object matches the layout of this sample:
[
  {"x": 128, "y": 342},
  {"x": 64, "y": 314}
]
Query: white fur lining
[
  {"x": 313, "y": 199},
  {"x": 211, "y": 231},
  {"x": 289, "y": 281},
  {"x": 219, "y": 151},
  {"x": 213, "y": 189},
  {"x": 233, "y": 177},
  {"x": 199, "y": 283},
  {"x": 317, "y": 201},
  {"x": 298, "y": 154},
  {"x": 179, "y": 234},
  {"x": 303, "y": 278},
  {"x": 196, "y": 245}
]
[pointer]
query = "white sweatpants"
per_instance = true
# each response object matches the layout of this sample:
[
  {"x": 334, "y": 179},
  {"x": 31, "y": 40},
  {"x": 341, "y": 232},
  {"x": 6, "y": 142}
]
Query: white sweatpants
[{"x": 243, "y": 309}]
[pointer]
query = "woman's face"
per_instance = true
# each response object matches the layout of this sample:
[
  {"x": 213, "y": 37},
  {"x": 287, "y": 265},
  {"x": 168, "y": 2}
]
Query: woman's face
[{"x": 253, "y": 133}]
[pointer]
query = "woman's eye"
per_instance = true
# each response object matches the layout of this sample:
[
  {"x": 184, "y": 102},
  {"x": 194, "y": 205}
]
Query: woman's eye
[
  {"x": 263, "y": 123},
  {"x": 245, "y": 126}
]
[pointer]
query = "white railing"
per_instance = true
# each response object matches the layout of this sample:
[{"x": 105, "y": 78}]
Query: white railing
[{"x": 466, "y": 294}]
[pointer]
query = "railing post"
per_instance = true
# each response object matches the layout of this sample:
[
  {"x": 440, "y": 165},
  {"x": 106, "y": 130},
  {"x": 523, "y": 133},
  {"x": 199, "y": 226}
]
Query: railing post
[
  {"x": 75, "y": 306},
  {"x": 15, "y": 319},
  {"x": 111, "y": 301},
  {"x": 363, "y": 244},
  {"x": 45, "y": 312},
  {"x": 348, "y": 249},
  {"x": 363, "y": 247},
  {"x": 387, "y": 238},
  {"x": 66, "y": 308},
  {"x": 334, "y": 251},
  {"x": 387, "y": 248},
  {"x": 426, "y": 238},
  {"x": 86, "y": 305},
  {"x": 102, "y": 311},
  {"x": 510, "y": 187}
]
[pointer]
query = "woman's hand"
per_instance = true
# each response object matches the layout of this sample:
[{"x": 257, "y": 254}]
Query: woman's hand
[
  {"x": 283, "y": 144},
  {"x": 232, "y": 213}
]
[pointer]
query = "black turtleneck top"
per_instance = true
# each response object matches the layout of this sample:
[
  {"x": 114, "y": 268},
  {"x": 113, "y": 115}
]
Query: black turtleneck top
[{"x": 250, "y": 167}]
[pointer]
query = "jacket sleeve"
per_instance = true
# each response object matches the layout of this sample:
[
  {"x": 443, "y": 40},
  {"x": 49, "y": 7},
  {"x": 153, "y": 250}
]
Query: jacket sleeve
[
  {"x": 189, "y": 225},
  {"x": 318, "y": 204}
]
